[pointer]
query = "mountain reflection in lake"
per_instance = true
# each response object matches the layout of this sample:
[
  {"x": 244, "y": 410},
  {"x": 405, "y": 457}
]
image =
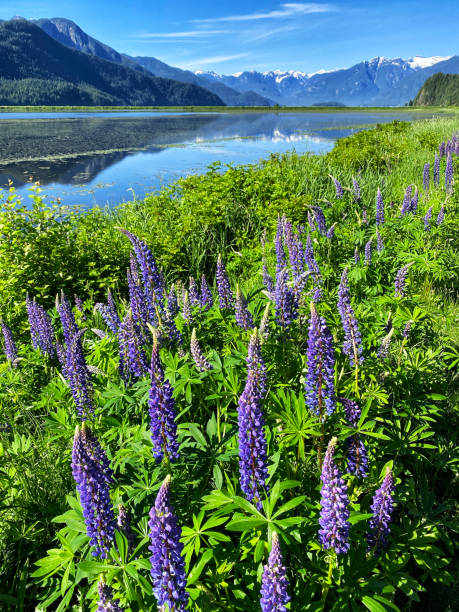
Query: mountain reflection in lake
[{"x": 103, "y": 158}]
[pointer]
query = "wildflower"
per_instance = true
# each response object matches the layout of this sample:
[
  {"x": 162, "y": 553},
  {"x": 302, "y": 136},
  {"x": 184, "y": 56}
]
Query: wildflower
[
  {"x": 281, "y": 261},
  {"x": 201, "y": 362},
  {"x": 69, "y": 325},
  {"x": 382, "y": 508},
  {"x": 10, "y": 349},
  {"x": 225, "y": 295},
  {"x": 427, "y": 219},
  {"x": 357, "y": 456},
  {"x": 320, "y": 219},
  {"x": 123, "y": 523},
  {"x": 426, "y": 177},
  {"x": 167, "y": 564},
  {"x": 368, "y": 252},
  {"x": 285, "y": 301},
  {"x": 243, "y": 316},
  {"x": 356, "y": 256},
  {"x": 41, "y": 328},
  {"x": 331, "y": 231},
  {"x": 162, "y": 411},
  {"x": 312, "y": 223},
  {"x": 352, "y": 346},
  {"x": 109, "y": 313},
  {"x": 132, "y": 356},
  {"x": 186, "y": 309},
  {"x": 414, "y": 202},
  {"x": 436, "y": 173},
  {"x": 274, "y": 582},
  {"x": 206, "y": 295},
  {"x": 383, "y": 350},
  {"x": 295, "y": 250},
  {"x": 195, "y": 298},
  {"x": 78, "y": 376},
  {"x": 253, "y": 460},
  {"x": 267, "y": 280},
  {"x": 356, "y": 186},
  {"x": 379, "y": 242},
  {"x": 406, "y": 201},
  {"x": 106, "y": 602},
  {"x": 264, "y": 325},
  {"x": 93, "y": 477},
  {"x": 364, "y": 216},
  {"x": 171, "y": 302},
  {"x": 407, "y": 330},
  {"x": 442, "y": 149},
  {"x": 379, "y": 208},
  {"x": 400, "y": 280},
  {"x": 80, "y": 306},
  {"x": 448, "y": 173},
  {"x": 320, "y": 377},
  {"x": 441, "y": 216},
  {"x": 338, "y": 188},
  {"x": 334, "y": 516}
]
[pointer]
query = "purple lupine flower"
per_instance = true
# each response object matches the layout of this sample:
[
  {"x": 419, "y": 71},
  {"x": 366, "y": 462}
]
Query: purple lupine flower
[
  {"x": 123, "y": 523},
  {"x": 309, "y": 257},
  {"x": 10, "y": 349},
  {"x": 356, "y": 186},
  {"x": 379, "y": 209},
  {"x": 364, "y": 216},
  {"x": 285, "y": 301},
  {"x": 198, "y": 357},
  {"x": 448, "y": 173},
  {"x": 267, "y": 280},
  {"x": 274, "y": 583},
  {"x": 312, "y": 223},
  {"x": 138, "y": 303},
  {"x": 169, "y": 329},
  {"x": 407, "y": 330},
  {"x": 132, "y": 356},
  {"x": 253, "y": 460},
  {"x": 383, "y": 350},
  {"x": 243, "y": 316},
  {"x": 281, "y": 260},
  {"x": 400, "y": 280},
  {"x": 171, "y": 302},
  {"x": 80, "y": 306},
  {"x": 334, "y": 515},
  {"x": 426, "y": 177},
  {"x": 187, "y": 313},
  {"x": 382, "y": 508},
  {"x": 93, "y": 477},
  {"x": 441, "y": 216},
  {"x": 338, "y": 188},
  {"x": 320, "y": 219},
  {"x": 331, "y": 231},
  {"x": 153, "y": 284},
  {"x": 167, "y": 564},
  {"x": 406, "y": 206},
  {"x": 207, "y": 299},
  {"x": 195, "y": 298},
  {"x": 295, "y": 250},
  {"x": 41, "y": 328},
  {"x": 320, "y": 377},
  {"x": 352, "y": 346},
  {"x": 368, "y": 248},
  {"x": 427, "y": 219},
  {"x": 106, "y": 602},
  {"x": 436, "y": 173},
  {"x": 69, "y": 325},
  {"x": 264, "y": 325},
  {"x": 357, "y": 455},
  {"x": 225, "y": 295},
  {"x": 441, "y": 150},
  {"x": 78, "y": 376},
  {"x": 161, "y": 407},
  {"x": 379, "y": 242},
  {"x": 414, "y": 202},
  {"x": 356, "y": 256},
  {"x": 109, "y": 313}
]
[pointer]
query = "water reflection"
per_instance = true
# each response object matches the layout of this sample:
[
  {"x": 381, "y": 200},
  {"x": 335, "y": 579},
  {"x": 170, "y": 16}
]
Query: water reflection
[{"x": 110, "y": 153}]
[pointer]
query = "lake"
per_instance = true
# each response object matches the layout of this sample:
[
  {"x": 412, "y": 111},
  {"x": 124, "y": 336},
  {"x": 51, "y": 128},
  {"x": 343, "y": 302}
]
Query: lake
[{"x": 99, "y": 158}]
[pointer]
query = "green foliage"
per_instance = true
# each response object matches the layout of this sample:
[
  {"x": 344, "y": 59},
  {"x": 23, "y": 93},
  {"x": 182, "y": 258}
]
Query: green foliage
[{"x": 439, "y": 90}]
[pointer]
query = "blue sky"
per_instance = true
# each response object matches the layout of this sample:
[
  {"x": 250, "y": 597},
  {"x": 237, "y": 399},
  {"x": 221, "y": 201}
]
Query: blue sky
[{"x": 229, "y": 36}]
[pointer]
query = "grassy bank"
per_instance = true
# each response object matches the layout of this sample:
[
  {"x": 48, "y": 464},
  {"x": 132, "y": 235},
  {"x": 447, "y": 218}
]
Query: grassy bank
[{"x": 401, "y": 428}]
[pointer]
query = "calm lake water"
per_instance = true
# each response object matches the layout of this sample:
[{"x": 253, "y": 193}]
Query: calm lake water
[{"x": 101, "y": 158}]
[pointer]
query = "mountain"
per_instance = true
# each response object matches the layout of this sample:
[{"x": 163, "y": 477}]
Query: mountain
[
  {"x": 36, "y": 69},
  {"x": 439, "y": 90},
  {"x": 71, "y": 35},
  {"x": 379, "y": 82}
]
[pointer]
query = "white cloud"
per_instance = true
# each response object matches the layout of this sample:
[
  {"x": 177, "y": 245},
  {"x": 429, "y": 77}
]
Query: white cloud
[
  {"x": 188, "y": 34},
  {"x": 216, "y": 59},
  {"x": 285, "y": 10}
]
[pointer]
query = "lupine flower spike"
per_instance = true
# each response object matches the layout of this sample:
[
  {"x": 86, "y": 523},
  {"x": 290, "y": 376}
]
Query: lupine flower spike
[
  {"x": 123, "y": 523},
  {"x": 356, "y": 187},
  {"x": 132, "y": 356},
  {"x": 426, "y": 177},
  {"x": 441, "y": 216},
  {"x": 448, "y": 173},
  {"x": 338, "y": 188},
  {"x": 253, "y": 460},
  {"x": 406, "y": 201},
  {"x": 93, "y": 477},
  {"x": 10, "y": 349},
  {"x": 198, "y": 357},
  {"x": 206, "y": 295},
  {"x": 383, "y": 350},
  {"x": 195, "y": 298},
  {"x": 352, "y": 340},
  {"x": 357, "y": 456},
  {"x": 274, "y": 584},
  {"x": 379, "y": 242},
  {"x": 264, "y": 325},
  {"x": 400, "y": 280},
  {"x": 41, "y": 328},
  {"x": 243, "y": 317},
  {"x": 106, "y": 602},
  {"x": 162, "y": 411},
  {"x": 382, "y": 508},
  {"x": 436, "y": 173},
  {"x": 320, "y": 377},
  {"x": 167, "y": 564},
  {"x": 225, "y": 295},
  {"x": 379, "y": 209},
  {"x": 414, "y": 202},
  {"x": 285, "y": 301},
  {"x": 368, "y": 248},
  {"x": 427, "y": 219},
  {"x": 334, "y": 515}
]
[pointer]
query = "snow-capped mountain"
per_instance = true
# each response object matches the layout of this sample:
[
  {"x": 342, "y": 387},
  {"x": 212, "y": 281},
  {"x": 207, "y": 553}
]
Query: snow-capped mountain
[{"x": 379, "y": 81}]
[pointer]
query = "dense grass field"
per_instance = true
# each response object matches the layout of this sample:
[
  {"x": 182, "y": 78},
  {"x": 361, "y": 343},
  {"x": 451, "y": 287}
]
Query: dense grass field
[{"x": 281, "y": 435}]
